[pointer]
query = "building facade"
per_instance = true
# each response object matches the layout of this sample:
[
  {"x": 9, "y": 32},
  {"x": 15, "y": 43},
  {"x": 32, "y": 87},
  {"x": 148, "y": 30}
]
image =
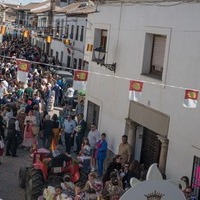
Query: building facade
[{"x": 158, "y": 44}]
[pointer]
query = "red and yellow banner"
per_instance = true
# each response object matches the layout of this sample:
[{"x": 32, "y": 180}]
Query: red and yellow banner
[
  {"x": 23, "y": 65},
  {"x": 136, "y": 86},
  {"x": 80, "y": 75},
  {"x": 191, "y": 94}
]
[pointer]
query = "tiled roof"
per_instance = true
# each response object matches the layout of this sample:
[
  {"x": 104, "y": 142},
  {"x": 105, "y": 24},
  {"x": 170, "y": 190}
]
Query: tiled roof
[
  {"x": 31, "y": 6},
  {"x": 77, "y": 8}
]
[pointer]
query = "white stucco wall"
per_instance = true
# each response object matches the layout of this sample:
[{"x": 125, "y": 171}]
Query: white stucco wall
[{"x": 127, "y": 26}]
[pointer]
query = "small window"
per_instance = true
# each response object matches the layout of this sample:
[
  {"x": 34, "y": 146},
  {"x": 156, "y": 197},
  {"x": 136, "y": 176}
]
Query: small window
[
  {"x": 77, "y": 32},
  {"x": 100, "y": 40},
  {"x": 72, "y": 32},
  {"x": 79, "y": 63},
  {"x": 82, "y": 33},
  {"x": 67, "y": 31},
  {"x": 75, "y": 63},
  {"x": 154, "y": 55},
  {"x": 68, "y": 61}
]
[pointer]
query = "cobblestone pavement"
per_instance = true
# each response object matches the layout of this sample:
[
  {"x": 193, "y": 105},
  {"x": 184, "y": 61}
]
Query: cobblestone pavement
[{"x": 9, "y": 187}]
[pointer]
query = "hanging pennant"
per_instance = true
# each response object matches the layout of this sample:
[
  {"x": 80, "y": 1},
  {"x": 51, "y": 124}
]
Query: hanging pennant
[
  {"x": 135, "y": 90},
  {"x": 190, "y": 100}
]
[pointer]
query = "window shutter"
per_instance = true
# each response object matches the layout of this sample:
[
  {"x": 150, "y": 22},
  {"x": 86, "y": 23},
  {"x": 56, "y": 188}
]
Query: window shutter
[{"x": 158, "y": 53}]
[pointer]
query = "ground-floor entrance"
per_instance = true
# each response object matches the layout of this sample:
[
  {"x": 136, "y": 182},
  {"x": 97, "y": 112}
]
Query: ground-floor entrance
[{"x": 147, "y": 130}]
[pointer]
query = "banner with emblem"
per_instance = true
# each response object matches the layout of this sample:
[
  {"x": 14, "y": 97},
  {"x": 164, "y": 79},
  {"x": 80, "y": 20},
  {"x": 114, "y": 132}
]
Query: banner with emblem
[
  {"x": 191, "y": 97},
  {"x": 23, "y": 69},
  {"x": 80, "y": 79},
  {"x": 135, "y": 90},
  {"x": 23, "y": 65}
]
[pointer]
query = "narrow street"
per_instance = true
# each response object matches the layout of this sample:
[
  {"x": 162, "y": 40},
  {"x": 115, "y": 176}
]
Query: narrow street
[{"x": 9, "y": 187}]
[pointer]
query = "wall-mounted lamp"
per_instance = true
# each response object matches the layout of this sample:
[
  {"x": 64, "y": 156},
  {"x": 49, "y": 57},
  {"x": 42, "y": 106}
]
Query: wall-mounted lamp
[{"x": 99, "y": 54}]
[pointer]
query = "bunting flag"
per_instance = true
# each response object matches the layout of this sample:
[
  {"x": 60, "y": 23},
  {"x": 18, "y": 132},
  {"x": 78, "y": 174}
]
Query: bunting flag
[
  {"x": 135, "y": 90},
  {"x": 80, "y": 79},
  {"x": 23, "y": 65},
  {"x": 191, "y": 97}
]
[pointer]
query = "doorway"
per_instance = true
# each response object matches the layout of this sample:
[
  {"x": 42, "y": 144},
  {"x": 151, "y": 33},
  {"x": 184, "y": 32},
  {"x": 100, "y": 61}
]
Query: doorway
[{"x": 151, "y": 146}]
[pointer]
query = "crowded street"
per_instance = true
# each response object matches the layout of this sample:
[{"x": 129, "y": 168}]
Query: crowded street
[{"x": 99, "y": 100}]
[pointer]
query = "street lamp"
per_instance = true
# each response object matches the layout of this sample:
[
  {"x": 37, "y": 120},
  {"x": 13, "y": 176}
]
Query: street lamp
[{"x": 99, "y": 54}]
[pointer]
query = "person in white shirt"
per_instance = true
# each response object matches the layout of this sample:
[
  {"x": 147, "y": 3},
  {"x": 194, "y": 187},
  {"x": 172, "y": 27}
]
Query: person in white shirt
[
  {"x": 70, "y": 96},
  {"x": 68, "y": 128},
  {"x": 93, "y": 137}
]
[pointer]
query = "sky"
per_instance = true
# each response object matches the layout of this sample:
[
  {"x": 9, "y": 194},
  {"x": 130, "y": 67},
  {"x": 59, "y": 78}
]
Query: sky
[{"x": 23, "y": 2}]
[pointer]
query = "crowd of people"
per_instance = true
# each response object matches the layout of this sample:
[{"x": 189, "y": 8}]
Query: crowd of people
[{"x": 26, "y": 120}]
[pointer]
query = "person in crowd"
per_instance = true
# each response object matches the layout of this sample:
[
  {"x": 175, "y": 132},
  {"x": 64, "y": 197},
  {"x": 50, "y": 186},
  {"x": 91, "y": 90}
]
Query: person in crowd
[
  {"x": 101, "y": 152},
  {"x": 188, "y": 192},
  {"x": 2, "y": 92},
  {"x": 2, "y": 126},
  {"x": 28, "y": 92},
  {"x": 80, "y": 132},
  {"x": 29, "y": 138},
  {"x": 93, "y": 137},
  {"x": 125, "y": 150},
  {"x": 85, "y": 148},
  {"x": 13, "y": 128},
  {"x": 114, "y": 176},
  {"x": 70, "y": 96},
  {"x": 125, "y": 175},
  {"x": 79, "y": 108},
  {"x": 58, "y": 157},
  {"x": 48, "y": 125},
  {"x": 79, "y": 192},
  {"x": 57, "y": 90},
  {"x": 67, "y": 185},
  {"x": 115, "y": 165},
  {"x": 68, "y": 130},
  {"x": 93, "y": 186},
  {"x": 21, "y": 115},
  {"x": 186, "y": 180}
]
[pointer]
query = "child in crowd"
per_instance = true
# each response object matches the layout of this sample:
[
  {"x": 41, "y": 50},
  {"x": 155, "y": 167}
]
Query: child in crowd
[
  {"x": 68, "y": 186},
  {"x": 79, "y": 193}
]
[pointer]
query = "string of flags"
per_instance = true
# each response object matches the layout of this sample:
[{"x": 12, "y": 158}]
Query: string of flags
[{"x": 135, "y": 87}]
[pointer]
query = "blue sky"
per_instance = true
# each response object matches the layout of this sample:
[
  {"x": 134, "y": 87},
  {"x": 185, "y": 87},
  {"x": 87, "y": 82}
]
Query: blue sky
[{"x": 24, "y": 2}]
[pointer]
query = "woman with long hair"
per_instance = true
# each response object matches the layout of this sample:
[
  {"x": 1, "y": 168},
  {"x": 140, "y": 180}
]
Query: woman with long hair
[{"x": 115, "y": 165}]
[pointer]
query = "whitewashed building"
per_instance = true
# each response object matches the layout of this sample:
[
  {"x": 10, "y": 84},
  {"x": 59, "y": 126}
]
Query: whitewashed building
[
  {"x": 69, "y": 25},
  {"x": 158, "y": 43}
]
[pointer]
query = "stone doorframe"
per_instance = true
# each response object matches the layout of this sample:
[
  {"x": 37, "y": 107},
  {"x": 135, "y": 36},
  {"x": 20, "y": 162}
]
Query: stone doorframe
[{"x": 131, "y": 128}]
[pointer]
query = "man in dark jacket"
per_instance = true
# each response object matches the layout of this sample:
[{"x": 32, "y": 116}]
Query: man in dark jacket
[
  {"x": 13, "y": 128},
  {"x": 80, "y": 132}
]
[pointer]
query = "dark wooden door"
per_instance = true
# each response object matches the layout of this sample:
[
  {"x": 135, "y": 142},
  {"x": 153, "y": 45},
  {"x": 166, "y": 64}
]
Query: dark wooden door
[
  {"x": 151, "y": 146},
  {"x": 92, "y": 114}
]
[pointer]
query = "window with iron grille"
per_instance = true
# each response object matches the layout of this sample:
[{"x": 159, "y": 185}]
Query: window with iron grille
[
  {"x": 67, "y": 31},
  {"x": 80, "y": 63},
  {"x": 82, "y": 33},
  {"x": 72, "y": 32},
  {"x": 77, "y": 32}
]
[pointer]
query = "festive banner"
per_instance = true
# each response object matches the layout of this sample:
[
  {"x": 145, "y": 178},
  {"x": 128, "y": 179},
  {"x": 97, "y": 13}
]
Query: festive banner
[
  {"x": 23, "y": 65},
  {"x": 80, "y": 79},
  {"x": 135, "y": 90},
  {"x": 190, "y": 100}
]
